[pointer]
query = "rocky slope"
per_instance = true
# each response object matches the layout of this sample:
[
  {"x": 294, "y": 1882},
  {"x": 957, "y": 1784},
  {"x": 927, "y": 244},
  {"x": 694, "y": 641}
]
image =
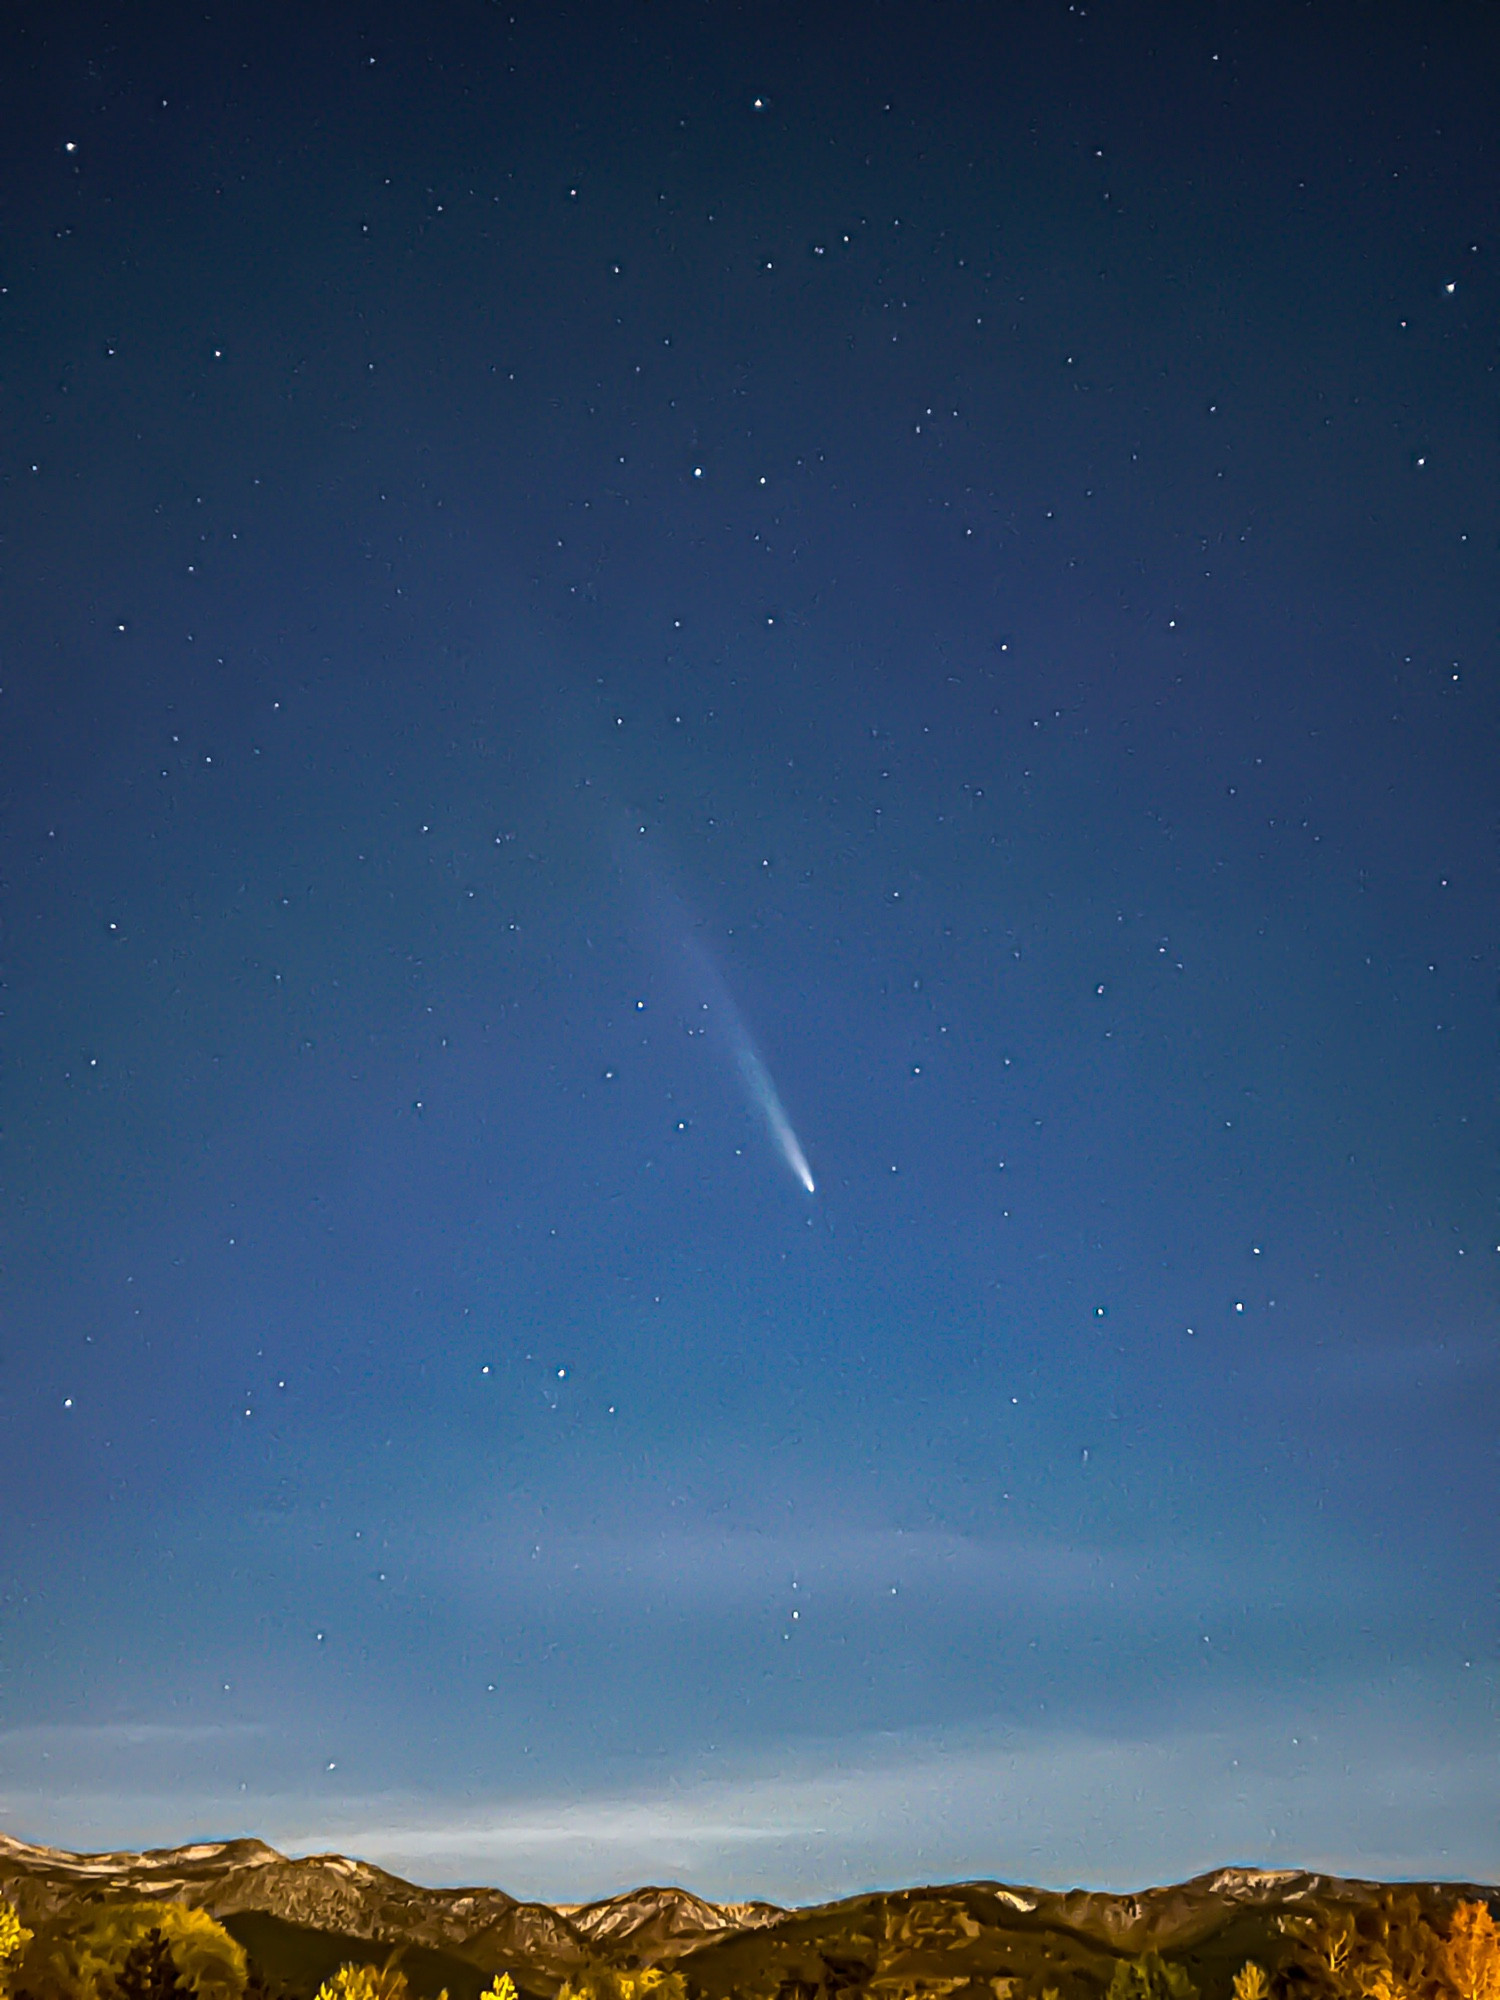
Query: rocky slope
[
  {"x": 298, "y": 1918},
  {"x": 329, "y": 1893}
]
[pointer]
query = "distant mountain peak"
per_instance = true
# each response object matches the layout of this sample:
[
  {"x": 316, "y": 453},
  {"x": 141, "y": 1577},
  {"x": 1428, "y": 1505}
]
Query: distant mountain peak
[
  {"x": 242, "y": 1853},
  {"x": 663, "y": 1913},
  {"x": 300, "y": 1918}
]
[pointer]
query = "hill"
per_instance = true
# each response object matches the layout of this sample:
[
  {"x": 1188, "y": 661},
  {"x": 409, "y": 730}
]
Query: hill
[{"x": 298, "y": 1919}]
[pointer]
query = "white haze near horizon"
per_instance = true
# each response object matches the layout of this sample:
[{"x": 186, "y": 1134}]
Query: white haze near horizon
[{"x": 1367, "y": 1792}]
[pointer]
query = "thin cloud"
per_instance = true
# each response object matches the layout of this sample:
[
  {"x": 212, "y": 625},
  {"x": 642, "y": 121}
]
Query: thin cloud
[
  {"x": 1287, "y": 1790},
  {"x": 88, "y": 1736},
  {"x": 1355, "y": 1785},
  {"x": 720, "y": 1571}
]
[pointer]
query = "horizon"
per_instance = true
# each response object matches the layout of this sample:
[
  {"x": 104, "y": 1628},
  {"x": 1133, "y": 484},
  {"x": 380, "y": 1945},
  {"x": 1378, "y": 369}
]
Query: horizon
[{"x": 1214, "y": 1877}]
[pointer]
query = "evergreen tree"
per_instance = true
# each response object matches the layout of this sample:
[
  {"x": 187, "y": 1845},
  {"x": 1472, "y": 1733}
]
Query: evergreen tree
[{"x": 150, "y": 1972}]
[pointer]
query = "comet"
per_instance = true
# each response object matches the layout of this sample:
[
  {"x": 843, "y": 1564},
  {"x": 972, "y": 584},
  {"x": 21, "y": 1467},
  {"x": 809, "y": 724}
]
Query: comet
[
  {"x": 759, "y": 1085},
  {"x": 675, "y": 927},
  {"x": 762, "y": 1091}
]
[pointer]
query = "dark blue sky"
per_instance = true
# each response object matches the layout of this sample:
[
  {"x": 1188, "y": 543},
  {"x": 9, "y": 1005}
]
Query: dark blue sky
[{"x": 543, "y": 548}]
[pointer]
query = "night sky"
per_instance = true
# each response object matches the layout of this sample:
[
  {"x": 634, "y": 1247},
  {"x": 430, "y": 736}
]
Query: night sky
[{"x": 603, "y": 605}]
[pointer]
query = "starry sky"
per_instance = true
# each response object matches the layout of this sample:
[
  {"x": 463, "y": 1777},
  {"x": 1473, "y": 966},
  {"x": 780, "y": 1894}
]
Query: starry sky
[{"x": 606, "y": 611}]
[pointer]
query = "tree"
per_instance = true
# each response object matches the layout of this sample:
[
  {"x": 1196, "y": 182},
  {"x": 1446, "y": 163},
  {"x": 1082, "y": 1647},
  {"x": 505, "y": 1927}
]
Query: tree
[
  {"x": 1471, "y": 1952},
  {"x": 1325, "y": 1949},
  {"x": 1399, "y": 1954},
  {"x": 1150, "y": 1977},
  {"x": 1385, "y": 1951},
  {"x": 368, "y": 1982},
  {"x": 68, "y": 1963},
  {"x": 150, "y": 1972}
]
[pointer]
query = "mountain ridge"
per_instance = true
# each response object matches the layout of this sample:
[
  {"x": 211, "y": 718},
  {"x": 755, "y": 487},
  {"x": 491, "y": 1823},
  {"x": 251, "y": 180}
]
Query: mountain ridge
[{"x": 991, "y": 1939}]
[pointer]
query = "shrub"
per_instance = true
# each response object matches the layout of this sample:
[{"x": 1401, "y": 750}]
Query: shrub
[
  {"x": 14, "y": 1938},
  {"x": 605, "y": 1982}
]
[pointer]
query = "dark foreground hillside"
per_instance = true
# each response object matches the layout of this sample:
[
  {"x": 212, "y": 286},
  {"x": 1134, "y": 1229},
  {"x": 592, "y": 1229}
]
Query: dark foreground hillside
[{"x": 1315, "y": 1937}]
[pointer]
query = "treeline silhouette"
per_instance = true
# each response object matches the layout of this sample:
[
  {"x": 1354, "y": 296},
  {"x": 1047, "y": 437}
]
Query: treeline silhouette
[{"x": 1389, "y": 1949}]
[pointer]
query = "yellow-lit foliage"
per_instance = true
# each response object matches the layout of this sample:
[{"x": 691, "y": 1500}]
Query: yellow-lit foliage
[
  {"x": 368, "y": 1982},
  {"x": 86, "y": 1964},
  {"x": 1471, "y": 1952},
  {"x": 1251, "y": 1983},
  {"x": 1335, "y": 1963},
  {"x": 1387, "y": 1951},
  {"x": 607, "y": 1983},
  {"x": 1328, "y": 1942},
  {"x": 501, "y": 1987},
  {"x": 1379, "y": 1982},
  {"x": 1400, "y": 1952},
  {"x": 14, "y": 1938}
]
